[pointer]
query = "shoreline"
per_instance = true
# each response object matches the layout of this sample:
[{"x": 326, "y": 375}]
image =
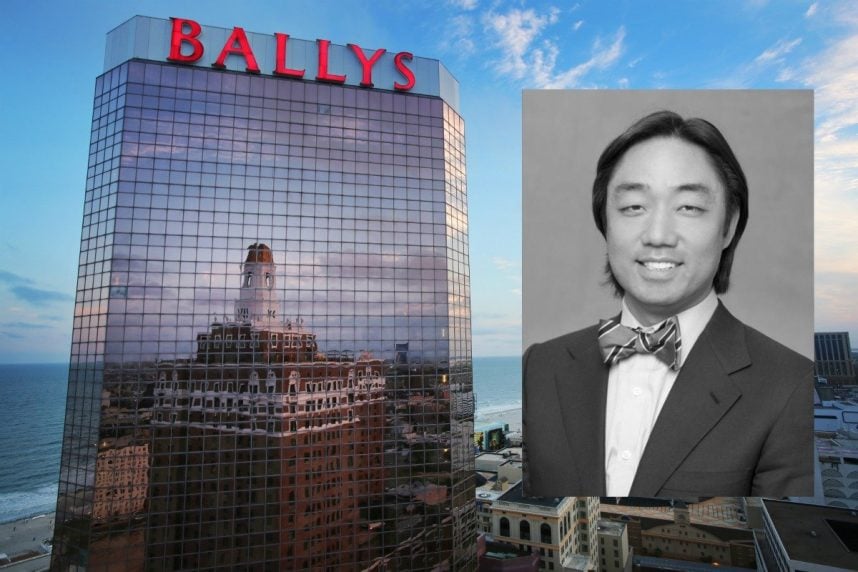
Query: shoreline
[
  {"x": 26, "y": 535},
  {"x": 37, "y": 512},
  {"x": 510, "y": 416}
]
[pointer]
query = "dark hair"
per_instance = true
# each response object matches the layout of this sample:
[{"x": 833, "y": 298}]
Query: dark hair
[{"x": 698, "y": 132}]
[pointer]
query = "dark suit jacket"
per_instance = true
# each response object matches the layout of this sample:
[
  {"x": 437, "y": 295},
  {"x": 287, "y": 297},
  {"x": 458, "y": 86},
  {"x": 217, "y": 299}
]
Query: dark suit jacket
[{"x": 737, "y": 422}]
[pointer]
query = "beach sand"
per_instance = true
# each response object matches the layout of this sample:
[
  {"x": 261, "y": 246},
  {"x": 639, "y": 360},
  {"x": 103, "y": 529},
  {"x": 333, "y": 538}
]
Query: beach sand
[
  {"x": 25, "y": 535},
  {"x": 511, "y": 416}
]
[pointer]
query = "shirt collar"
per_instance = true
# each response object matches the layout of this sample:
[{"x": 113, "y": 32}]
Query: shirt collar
[{"x": 692, "y": 321}]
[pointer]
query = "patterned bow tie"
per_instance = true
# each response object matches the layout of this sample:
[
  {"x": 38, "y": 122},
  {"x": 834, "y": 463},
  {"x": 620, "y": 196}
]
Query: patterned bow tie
[{"x": 618, "y": 342}]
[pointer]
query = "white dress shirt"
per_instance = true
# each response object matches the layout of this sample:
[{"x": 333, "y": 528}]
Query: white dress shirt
[{"x": 637, "y": 389}]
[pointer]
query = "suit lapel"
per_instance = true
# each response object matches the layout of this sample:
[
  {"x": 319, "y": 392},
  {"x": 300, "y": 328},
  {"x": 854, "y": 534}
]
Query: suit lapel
[
  {"x": 582, "y": 389},
  {"x": 701, "y": 395}
]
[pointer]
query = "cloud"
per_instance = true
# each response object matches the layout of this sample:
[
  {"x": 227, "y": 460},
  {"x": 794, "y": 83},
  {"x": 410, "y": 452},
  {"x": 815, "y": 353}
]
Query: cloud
[
  {"x": 12, "y": 278},
  {"x": 786, "y": 74},
  {"x": 500, "y": 330},
  {"x": 510, "y": 270},
  {"x": 458, "y": 36},
  {"x": 833, "y": 74},
  {"x": 483, "y": 315},
  {"x": 50, "y": 318},
  {"x": 577, "y": 25},
  {"x": 500, "y": 335},
  {"x": 20, "y": 287},
  {"x": 516, "y": 32},
  {"x": 503, "y": 264},
  {"x": 463, "y": 4},
  {"x": 772, "y": 58},
  {"x": 811, "y": 10},
  {"x": 835, "y": 306},
  {"x": 23, "y": 325},
  {"x": 37, "y": 295},
  {"x": 517, "y": 35},
  {"x": 778, "y": 51},
  {"x": 602, "y": 58}
]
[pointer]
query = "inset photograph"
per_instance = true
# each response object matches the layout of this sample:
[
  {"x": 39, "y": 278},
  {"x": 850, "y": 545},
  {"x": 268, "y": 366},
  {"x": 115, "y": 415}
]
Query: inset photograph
[{"x": 668, "y": 293}]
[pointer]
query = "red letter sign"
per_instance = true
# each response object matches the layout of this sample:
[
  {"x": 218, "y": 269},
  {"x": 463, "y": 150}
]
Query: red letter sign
[
  {"x": 186, "y": 35},
  {"x": 280, "y": 58},
  {"x": 237, "y": 44},
  {"x": 366, "y": 64},
  {"x": 323, "y": 74},
  {"x": 179, "y": 37},
  {"x": 404, "y": 70}
]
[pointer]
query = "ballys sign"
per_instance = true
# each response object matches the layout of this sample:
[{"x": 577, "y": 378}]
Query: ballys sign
[{"x": 187, "y": 46}]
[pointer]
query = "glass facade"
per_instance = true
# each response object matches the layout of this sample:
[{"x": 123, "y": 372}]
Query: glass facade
[
  {"x": 833, "y": 357},
  {"x": 271, "y": 356}
]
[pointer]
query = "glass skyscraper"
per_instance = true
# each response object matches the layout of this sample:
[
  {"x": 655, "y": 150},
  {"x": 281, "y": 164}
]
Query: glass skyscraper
[
  {"x": 833, "y": 357},
  {"x": 271, "y": 356}
]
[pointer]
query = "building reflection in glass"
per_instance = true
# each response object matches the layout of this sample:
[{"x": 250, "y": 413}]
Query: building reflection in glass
[{"x": 271, "y": 355}]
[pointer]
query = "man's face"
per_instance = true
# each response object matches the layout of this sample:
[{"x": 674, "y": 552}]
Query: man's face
[{"x": 666, "y": 226}]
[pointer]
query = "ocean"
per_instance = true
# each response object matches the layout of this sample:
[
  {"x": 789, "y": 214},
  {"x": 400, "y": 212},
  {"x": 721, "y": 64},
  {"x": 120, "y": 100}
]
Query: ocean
[
  {"x": 34, "y": 398},
  {"x": 31, "y": 432},
  {"x": 497, "y": 385}
]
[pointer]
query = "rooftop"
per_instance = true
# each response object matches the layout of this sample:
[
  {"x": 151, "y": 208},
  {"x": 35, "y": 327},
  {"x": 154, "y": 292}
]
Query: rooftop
[
  {"x": 259, "y": 252},
  {"x": 837, "y": 447},
  {"x": 611, "y": 527},
  {"x": 721, "y": 512},
  {"x": 148, "y": 38},
  {"x": 488, "y": 495},
  {"x": 816, "y": 534},
  {"x": 576, "y": 562},
  {"x": 668, "y": 564},
  {"x": 494, "y": 457},
  {"x": 516, "y": 495}
]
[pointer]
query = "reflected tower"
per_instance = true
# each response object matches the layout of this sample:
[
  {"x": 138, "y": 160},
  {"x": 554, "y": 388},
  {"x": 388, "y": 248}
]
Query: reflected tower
[
  {"x": 258, "y": 299},
  {"x": 271, "y": 358},
  {"x": 261, "y": 434}
]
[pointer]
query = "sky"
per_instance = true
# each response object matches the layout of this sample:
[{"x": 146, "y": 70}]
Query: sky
[{"x": 53, "y": 52}]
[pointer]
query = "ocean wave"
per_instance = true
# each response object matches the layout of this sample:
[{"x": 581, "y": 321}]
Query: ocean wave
[
  {"x": 512, "y": 417},
  {"x": 499, "y": 408},
  {"x": 24, "y": 504},
  {"x": 28, "y": 478}
]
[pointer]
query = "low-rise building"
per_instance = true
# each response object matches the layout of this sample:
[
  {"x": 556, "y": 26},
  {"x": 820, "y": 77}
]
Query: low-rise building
[
  {"x": 501, "y": 557},
  {"x": 491, "y": 460},
  {"x": 614, "y": 550},
  {"x": 805, "y": 537},
  {"x": 837, "y": 466},
  {"x": 485, "y": 499},
  {"x": 680, "y": 539},
  {"x": 561, "y": 530}
]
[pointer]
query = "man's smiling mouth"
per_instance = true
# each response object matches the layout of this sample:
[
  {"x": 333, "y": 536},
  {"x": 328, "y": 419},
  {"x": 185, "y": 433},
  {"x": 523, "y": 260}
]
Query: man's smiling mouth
[{"x": 658, "y": 265}]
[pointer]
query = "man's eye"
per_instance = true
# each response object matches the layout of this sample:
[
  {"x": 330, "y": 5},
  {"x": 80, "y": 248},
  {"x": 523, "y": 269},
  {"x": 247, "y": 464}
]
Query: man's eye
[
  {"x": 632, "y": 209},
  {"x": 692, "y": 209}
]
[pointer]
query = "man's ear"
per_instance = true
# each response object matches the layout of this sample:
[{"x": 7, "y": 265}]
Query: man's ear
[{"x": 730, "y": 229}]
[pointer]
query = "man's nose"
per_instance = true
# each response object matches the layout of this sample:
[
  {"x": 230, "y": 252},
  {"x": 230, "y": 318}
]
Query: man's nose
[{"x": 661, "y": 229}]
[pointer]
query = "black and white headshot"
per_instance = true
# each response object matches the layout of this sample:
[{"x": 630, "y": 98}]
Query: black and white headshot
[{"x": 668, "y": 293}]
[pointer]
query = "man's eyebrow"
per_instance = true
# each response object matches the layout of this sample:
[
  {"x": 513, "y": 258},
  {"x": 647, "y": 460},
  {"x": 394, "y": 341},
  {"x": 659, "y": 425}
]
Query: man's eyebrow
[
  {"x": 691, "y": 187},
  {"x": 695, "y": 187},
  {"x": 628, "y": 186}
]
